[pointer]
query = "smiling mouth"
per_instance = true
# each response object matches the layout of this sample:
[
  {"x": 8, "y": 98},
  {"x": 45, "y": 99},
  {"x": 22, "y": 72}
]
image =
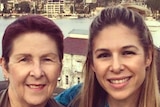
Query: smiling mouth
[
  {"x": 36, "y": 86},
  {"x": 119, "y": 81}
]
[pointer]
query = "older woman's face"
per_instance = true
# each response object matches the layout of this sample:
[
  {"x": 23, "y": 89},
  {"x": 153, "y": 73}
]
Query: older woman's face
[
  {"x": 119, "y": 62},
  {"x": 33, "y": 69}
]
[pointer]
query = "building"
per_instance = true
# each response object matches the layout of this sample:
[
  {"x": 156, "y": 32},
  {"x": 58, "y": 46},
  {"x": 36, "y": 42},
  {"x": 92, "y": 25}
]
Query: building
[
  {"x": 90, "y": 1},
  {"x": 1, "y": 7},
  {"x": 53, "y": 9},
  {"x": 75, "y": 48}
]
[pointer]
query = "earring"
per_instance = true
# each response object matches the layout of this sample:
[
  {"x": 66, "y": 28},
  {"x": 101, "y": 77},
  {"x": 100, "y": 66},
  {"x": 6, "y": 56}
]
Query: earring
[
  {"x": 6, "y": 78},
  {"x": 147, "y": 68}
]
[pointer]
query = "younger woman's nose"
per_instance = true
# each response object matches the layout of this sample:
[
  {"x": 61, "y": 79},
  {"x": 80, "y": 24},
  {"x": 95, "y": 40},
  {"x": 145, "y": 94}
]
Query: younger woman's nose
[{"x": 116, "y": 65}]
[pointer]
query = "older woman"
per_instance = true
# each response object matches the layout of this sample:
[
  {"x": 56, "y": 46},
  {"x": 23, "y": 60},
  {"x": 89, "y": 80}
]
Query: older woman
[{"x": 32, "y": 53}]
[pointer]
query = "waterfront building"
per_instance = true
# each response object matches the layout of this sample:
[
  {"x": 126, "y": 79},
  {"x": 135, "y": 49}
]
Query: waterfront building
[
  {"x": 68, "y": 5},
  {"x": 1, "y": 7},
  {"x": 90, "y": 1},
  {"x": 75, "y": 48},
  {"x": 53, "y": 9}
]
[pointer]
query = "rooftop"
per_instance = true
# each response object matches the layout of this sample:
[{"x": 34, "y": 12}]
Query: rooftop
[
  {"x": 75, "y": 46},
  {"x": 77, "y": 42},
  {"x": 79, "y": 33}
]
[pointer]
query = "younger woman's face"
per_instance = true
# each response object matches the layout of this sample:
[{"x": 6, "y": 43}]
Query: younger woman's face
[
  {"x": 119, "y": 62},
  {"x": 33, "y": 69}
]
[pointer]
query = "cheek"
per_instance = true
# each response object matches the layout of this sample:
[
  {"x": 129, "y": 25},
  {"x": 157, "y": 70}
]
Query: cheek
[
  {"x": 138, "y": 68},
  {"x": 138, "y": 64},
  {"x": 17, "y": 77},
  {"x": 53, "y": 73},
  {"x": 100, "y": 68},
  {"x": 52, "y": 77},
  {"x": 17, "y": 73}
]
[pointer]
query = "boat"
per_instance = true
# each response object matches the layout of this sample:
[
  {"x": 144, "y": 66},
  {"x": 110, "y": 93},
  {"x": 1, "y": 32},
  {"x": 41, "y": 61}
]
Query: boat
[
  {"x": 154, "y": 27},
  {"x": 72, "y": 16},
  {"x": 139, "y": 7},
  {"x": 153, "y": 24}
]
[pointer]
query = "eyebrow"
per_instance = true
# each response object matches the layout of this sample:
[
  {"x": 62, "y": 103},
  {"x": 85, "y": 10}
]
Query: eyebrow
[
  {"x": 130, "y": 46},
  {"x": 50, "y": 54},
  {"x": 29, "y": 55},
  {"x": 102, "y": 50},
  {"x": 21, "y": 54},
  {"x": 125, "y": 47}
]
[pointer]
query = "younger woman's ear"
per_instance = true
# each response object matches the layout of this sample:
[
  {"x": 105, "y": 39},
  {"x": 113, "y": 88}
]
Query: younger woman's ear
[{"x": 149, "y": 58}]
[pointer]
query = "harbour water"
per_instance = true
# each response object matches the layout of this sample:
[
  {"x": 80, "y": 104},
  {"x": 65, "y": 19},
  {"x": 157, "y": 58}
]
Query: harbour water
[{"x": 66, "y": 25}]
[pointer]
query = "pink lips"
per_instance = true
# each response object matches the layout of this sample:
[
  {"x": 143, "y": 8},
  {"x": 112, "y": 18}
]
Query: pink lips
[
  {"x": 36, "y": 86},
  {"x": 119, "y": 83}
]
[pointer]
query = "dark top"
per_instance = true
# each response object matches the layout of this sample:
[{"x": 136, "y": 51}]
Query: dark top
[{"x": 4, "y": 100}]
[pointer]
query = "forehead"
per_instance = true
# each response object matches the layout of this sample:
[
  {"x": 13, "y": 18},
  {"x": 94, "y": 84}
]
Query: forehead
[
  {"x": 116, "y": 35},
  {"x": 33, "y": 42}
]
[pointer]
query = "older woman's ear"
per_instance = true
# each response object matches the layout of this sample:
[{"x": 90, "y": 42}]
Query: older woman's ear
[
  {"x": 4, "y": 68},
  {"x": 1, "y": 61}
]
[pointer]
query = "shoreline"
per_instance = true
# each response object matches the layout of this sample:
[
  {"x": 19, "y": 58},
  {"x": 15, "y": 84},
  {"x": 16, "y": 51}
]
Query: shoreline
[{"x": 59, "y": 16}]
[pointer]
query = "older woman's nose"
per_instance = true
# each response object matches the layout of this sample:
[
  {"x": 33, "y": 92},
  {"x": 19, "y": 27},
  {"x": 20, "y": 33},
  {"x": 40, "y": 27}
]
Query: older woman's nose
[{"x": 37, "y": 70}]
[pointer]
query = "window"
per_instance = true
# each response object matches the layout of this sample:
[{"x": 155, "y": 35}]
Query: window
[
  {"x": 66, "y": 79},
  {"x": 78, "y": 80}
]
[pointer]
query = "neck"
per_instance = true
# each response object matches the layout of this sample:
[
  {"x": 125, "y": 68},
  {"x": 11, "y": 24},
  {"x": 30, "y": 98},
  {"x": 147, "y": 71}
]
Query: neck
[
  {"x": 123, "y": 104},
  {"x": 15, "y": 101},
  {"x": 131, "y": 101}
]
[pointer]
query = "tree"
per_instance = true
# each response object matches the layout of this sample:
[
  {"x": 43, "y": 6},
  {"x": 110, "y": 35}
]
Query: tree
[
  {"x": 71, "y": 9},
  {"x": 153, "y": 4},
  {"x": 105, "y": 3},
  {"x": 5, "y": 9},
  {"x": 78, "y": 1},
  {"x": 24, "y": 7}
]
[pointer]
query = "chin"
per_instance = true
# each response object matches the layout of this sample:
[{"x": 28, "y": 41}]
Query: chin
[
  {"x": 119, "y": 97},
  {"x": 37, "y": 102}
]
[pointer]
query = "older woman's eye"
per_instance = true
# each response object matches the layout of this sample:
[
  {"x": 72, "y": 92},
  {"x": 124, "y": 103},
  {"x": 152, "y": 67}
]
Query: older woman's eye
[
  {"x": 49, "y": 59},
  {"x": 24, "y": 59}
]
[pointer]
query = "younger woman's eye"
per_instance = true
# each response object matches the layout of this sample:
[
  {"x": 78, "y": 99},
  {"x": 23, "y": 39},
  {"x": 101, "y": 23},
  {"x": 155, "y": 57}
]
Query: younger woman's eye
[
  {"x": 103, "y": 55},
  {"x": 128, "y": 53}
]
